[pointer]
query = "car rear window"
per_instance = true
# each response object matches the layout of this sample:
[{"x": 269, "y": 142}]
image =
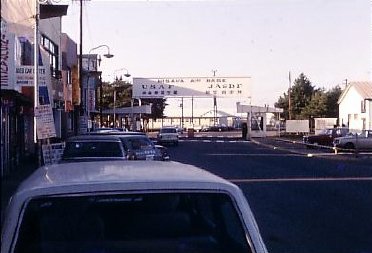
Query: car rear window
[
  {"x": 157, "y": 223},
  {"x": 168, "y": 130},
  {"x": 136, "y": 143},
  {"x": 92, "y": 149}
]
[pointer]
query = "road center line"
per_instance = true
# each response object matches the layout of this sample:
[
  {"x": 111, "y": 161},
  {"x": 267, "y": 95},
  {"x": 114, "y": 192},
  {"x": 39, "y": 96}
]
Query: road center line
[
  {"x": 269, "y": 180},
  {"x": 254, "y": 154}
]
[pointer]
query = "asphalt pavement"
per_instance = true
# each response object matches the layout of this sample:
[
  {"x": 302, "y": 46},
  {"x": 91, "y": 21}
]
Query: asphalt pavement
[{"x": 10, "y": 182}]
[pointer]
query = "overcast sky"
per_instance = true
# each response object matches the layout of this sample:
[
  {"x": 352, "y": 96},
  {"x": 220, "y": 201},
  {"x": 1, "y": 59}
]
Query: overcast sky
[{"x": 328, "y": 40}]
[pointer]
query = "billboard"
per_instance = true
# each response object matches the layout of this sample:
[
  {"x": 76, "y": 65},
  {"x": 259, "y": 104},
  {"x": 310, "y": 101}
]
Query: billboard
[
  {"x": 297, "y": 126},
  {"x": 191, "y": 87}
]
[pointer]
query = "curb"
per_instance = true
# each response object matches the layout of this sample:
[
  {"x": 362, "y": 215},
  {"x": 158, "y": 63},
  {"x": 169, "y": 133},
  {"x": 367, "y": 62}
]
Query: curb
[{"x": 350, "y": 156}]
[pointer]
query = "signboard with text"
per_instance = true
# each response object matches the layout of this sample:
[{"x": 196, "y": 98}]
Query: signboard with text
[
  {"x": 45, "y": 122},
  {"x": 191, "y": 87},
  {"x": 25, "y": 76},
  {"x": 7, "y": 57}
]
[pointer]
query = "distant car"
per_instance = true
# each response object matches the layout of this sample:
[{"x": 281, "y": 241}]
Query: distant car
[
  {"x": 361, "y": 141},
  {"x": 129, "y": 207},
  {"x": 87, "y": 147},
  {"x": 140, "y": 147},
  {"x": 168, "y": 135},
  {"x": 217, "y": 128},
  {"x": 325, "y": 137}
]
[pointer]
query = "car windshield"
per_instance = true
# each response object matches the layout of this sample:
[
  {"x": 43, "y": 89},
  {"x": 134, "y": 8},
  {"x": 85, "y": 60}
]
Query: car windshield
[
  {"x": 157, "y": 223},
  {"x": 326, "y": 131}
]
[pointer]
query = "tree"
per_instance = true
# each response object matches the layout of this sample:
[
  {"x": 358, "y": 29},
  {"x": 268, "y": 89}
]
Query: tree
[
  {"x": 317, "y": 107},
  {"x": 308, "y": 102},
  {"x": 332, "y": 101},
  {"x": 157, "y": 108},
  {"x": 124, "y": 96},
  {"x": 301, "y": 93},
  {"x": 283, "y": 103}
]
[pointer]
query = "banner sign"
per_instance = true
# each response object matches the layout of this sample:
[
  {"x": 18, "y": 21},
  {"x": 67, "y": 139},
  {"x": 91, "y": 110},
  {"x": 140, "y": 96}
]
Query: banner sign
[
  {"x": 7, "y": 57},
  {"x": 25, "y": 76},
  {"x": 191, "y": 87}
]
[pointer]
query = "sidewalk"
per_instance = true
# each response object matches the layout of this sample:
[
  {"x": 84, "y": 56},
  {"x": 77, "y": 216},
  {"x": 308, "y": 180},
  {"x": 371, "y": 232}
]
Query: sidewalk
[{"x": 10, "y": 182}]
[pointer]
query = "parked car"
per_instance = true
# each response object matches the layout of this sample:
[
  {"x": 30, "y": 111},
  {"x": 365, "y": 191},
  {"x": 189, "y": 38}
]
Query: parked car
[
  {"x": 163, "y": 152},
  {"x": 325, "y": 137},
  {"x": 114, "y": 132},
  {"x": 361, "y": 141},
  {"x": 140, "y": 147},
  {"x": 93, "y": 147},
  {"x": 129, "y": 207},
  {"x": 168, "y": 135},
  {"x": 106, "y": 129},
  {"x": 217, "y": 128}
]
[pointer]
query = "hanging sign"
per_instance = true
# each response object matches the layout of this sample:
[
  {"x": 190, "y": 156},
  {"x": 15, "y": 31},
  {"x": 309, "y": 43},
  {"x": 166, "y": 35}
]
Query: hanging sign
[{"x": 191, "y": 87}]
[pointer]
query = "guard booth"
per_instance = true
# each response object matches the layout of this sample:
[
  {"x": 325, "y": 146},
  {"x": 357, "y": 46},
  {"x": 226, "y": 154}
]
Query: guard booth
[{"x": 257, "y": 119}]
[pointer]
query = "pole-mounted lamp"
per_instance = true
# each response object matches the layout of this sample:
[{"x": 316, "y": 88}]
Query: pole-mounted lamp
[
  {"x": 107, "y": 55},
  {"x": 121, "y": 77},
  {"x": 117, "y": 79}
]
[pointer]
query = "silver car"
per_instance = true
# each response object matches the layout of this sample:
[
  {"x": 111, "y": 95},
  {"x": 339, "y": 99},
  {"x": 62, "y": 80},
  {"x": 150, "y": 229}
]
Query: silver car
[
  {"x": 116, "y": 206},
  {"x": 92, "y": 147}
]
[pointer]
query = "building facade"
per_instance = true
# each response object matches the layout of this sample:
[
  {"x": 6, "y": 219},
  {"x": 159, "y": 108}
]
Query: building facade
[
  {"x": 17, "y": 76},
  {"x": 355, "y": 106}
]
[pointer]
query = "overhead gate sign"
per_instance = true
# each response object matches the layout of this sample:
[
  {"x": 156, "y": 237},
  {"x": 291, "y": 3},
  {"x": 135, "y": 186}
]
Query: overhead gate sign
[{"x": 191, "y": 87}]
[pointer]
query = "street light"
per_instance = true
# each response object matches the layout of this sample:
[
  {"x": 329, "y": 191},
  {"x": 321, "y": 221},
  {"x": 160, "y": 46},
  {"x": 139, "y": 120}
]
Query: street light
[
  {"x": 117, "y": 79},
  {"x": 121, "y": 78},
  {"x": 107, "y": 55}
]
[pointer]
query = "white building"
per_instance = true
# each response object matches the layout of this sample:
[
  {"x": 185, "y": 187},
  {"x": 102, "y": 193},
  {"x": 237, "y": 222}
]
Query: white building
[{"x": 355, "y": 106}]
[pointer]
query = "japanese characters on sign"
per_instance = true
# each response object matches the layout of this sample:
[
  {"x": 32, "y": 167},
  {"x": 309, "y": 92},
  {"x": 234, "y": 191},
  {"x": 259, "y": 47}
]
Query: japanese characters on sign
[
  {"x": 6, "y": 57},
  {"x": 191, "y": 86}
]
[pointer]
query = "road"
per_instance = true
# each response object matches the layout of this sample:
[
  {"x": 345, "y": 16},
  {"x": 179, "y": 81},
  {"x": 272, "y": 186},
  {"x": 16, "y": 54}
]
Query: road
[{"x": 301, "y": 203}]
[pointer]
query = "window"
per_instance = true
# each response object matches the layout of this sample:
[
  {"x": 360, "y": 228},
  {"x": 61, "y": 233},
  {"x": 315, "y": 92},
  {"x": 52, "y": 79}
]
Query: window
[
  {"x": 362, "y": 106},
  {"x": 151, "y": 222},
  {"x": 53, "y": 52},
  {"x": 69, "y": 76}
]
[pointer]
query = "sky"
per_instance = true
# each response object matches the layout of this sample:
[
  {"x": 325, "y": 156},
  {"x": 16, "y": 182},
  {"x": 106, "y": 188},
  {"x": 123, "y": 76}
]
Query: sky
[{"x": 327, "y": 40}]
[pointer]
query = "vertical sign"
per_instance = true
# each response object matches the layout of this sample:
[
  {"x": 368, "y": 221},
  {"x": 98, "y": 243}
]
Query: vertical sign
[{"x": 7, "y": 57}]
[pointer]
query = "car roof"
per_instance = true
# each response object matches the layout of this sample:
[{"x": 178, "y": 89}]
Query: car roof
[
  {"x": 123, "y": 177},
  {"x": 77, "y": 177},
  {"x": 142, "y": 136},
  {"x": 93, "y": 138},
  {"x": 115, "y": 133}
]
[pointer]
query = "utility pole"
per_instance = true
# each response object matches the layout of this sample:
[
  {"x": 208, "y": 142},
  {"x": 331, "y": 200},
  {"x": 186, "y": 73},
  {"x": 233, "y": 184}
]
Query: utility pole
[
  {"x": 181, "y": 112},
  {"x": 100, "y": 100},
  {"x": 81, "y": 107},
  {"x": 36, "y": 66},
  {"x": 214, "y": 103},
  {"x": 289, "y": 97}
]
